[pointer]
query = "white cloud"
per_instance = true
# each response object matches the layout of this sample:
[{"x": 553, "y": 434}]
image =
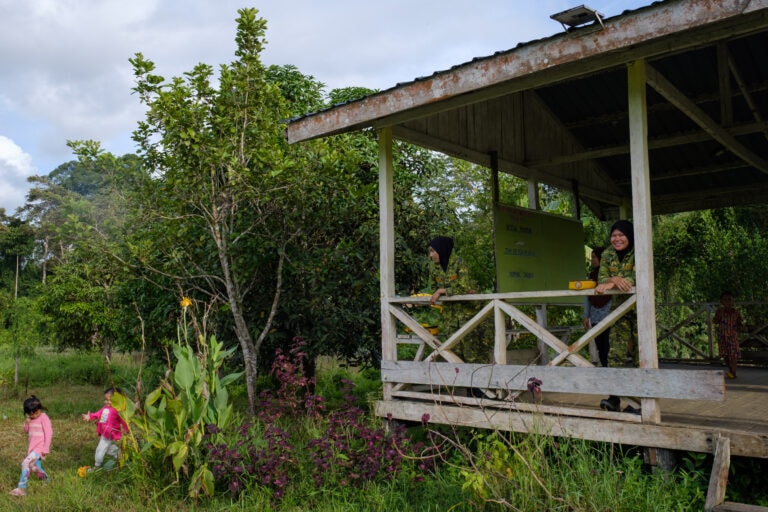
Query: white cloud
[
  {"x": 15, "y": 167},
  {"x": 67, "y": 76}
]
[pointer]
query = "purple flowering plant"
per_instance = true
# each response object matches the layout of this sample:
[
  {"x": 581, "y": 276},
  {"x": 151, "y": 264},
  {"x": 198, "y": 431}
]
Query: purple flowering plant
[{"x": 292, "y": 436}]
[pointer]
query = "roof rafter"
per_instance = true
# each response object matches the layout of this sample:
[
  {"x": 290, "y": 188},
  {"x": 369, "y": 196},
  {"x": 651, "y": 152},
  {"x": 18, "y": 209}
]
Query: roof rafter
[
  {"x": 664, "y": 87},
  {"x": 657, "y": 143}
]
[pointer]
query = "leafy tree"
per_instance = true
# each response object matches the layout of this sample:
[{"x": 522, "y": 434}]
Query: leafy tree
[
  {"x": 699, "y": 254},
  {"x": 16, "y": 244},
  {"x": 217, "y": 210},
  {"x": 20, "y": 322},
  {"x": 18, "y": 318},
  {"x": 303, "y": 93},
  {"x": 81, "y": 214}
]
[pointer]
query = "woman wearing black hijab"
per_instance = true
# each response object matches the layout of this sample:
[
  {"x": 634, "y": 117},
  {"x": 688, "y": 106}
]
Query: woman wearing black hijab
[
  {"x": 450, "y": 276},
  {"x": 617, "y": 271},
  {"x": 617, "y": 267}
]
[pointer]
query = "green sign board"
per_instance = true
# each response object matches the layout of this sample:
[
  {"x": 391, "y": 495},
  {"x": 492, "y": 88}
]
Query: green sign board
[{"x": 537, "y": 251}]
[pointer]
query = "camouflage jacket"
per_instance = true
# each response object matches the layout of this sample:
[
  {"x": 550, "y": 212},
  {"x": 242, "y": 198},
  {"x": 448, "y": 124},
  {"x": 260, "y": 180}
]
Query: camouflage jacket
[
  {"x": 610, "y": 266},
  {"x": 456, "y": 279}
]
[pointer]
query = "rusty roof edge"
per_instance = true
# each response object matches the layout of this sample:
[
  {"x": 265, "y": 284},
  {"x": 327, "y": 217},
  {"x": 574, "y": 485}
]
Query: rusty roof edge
[{"x": 643, "y": 25}]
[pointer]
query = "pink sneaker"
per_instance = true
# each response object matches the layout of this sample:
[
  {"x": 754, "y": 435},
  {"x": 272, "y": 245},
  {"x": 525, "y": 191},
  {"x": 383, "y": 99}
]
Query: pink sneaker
[{"x": 18, "y": 492}]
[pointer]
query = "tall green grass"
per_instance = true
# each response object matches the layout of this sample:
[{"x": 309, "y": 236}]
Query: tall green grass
[{"x": 479, "y": 470}]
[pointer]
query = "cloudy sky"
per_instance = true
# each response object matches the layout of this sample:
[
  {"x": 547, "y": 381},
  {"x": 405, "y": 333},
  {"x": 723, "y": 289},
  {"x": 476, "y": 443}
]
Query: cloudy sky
[{"x": 65, "y": 75}]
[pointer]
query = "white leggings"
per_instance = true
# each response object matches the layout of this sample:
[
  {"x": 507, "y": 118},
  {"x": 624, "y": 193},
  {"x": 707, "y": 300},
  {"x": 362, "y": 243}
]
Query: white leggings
[{"x": 105, "y": 447}]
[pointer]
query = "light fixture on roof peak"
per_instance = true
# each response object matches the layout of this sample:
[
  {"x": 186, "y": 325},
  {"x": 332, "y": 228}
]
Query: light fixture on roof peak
[{"x": 576, "y": 16}]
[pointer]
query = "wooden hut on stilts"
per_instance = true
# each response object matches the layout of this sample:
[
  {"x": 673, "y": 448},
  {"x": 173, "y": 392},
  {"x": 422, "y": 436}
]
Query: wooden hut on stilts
[{"x": 658, "y": 110}]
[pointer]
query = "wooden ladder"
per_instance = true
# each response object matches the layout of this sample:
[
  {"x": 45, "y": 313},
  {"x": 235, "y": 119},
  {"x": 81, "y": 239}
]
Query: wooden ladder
[{"x": 718, "y": 481}]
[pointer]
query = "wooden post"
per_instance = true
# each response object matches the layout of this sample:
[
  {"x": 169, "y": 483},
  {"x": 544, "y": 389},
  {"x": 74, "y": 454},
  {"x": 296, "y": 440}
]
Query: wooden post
[
  {"x": 500, "y": 337},
  {"x": 541, "y": 319},
  {"x": 386, "y": 250},
  {"x": 641, "y": 206},
  {"x": 533, "y": 194},
  {"x": 494, "y": 157},
  {"x": 718, "y": 480}
]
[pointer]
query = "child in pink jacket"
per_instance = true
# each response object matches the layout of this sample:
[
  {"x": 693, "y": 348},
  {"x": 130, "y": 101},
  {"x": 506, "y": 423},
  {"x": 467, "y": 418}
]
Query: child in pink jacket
[
  {"x": 110, "y": 427},
  {"x": 37, "y": 425}
]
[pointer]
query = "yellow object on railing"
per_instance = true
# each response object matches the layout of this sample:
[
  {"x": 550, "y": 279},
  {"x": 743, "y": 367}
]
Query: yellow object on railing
[
  {"x": 436, "y": 306},
  {"x": 581, "y": 285},
  {"x": 433, "y": 330}
]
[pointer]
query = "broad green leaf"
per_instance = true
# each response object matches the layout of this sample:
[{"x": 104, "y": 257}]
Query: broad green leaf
[
  {"x": 178, "y": 451},
  {"x": 184, "y": 374}
]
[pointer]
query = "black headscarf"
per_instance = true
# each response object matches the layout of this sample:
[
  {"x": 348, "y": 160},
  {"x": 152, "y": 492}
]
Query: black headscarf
[
  {"x": 628, "y": 229},
  {"x": 443, "y": 245}
]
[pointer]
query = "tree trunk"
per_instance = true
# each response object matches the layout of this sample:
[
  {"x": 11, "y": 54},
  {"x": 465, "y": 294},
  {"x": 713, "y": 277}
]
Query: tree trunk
[
  {"x": 16, "y": 283},
  {"x": 235, "y": 297},
  {"x": 250, "y": 360}
]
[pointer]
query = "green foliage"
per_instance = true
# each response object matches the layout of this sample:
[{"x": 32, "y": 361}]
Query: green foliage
[
  {"x": 23, "y": 324},
  {"x": 331, "y": 378},
  {"x": 172, "y": 422},
  {"x": 536, "y": 472},
  {"x": 699, "y": 254}
]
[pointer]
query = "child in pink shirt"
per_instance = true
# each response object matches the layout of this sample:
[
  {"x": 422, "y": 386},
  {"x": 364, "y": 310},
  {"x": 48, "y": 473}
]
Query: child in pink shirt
[
  {"x": 37, "y": 425},
  {"x": 110, "y": 428}
]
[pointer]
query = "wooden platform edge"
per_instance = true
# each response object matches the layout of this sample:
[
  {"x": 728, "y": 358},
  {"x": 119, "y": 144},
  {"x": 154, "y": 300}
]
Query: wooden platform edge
[
  {"x": 729, "y": 506},
  {"x": 671, "y": 437}
]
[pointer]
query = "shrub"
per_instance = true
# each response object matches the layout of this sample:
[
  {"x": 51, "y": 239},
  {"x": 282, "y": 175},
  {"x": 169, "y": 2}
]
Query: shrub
[{"x": 291, "y": 439}]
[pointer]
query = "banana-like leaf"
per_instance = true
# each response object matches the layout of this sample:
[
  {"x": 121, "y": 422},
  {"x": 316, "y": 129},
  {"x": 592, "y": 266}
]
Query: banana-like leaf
[
  {"x": 178, "y": 451},
  {"x": 184, "y": 374}
]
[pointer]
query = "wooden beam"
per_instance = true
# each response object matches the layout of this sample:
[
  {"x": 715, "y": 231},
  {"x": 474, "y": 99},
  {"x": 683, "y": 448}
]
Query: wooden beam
[
  {"x": 601, "y": 326},
  {"x": 658, "y": 143},
  {"x": 463, "y": 331},
  {"x": 433, "y": 396},
  {"x": 685, "y": 438},
  {"x": 621, "y": 115},
  {"x": 541, "y": 333},
  {"x": 386, "y": 247},
  {"x": 724, "y": 80},
  {"x": 713, "y": 198},
  {"x": 698, "y": 116},
  {"x": 636, "y": 382},
  {"x": 424, "y": 334},
  {"x": 515, "y": 168},
  {"x": 542, "y": 107},
  {"x": 506, "y": 296},
  {"x": 745, "y": 92},
  {"x": 672, "y": 174}
]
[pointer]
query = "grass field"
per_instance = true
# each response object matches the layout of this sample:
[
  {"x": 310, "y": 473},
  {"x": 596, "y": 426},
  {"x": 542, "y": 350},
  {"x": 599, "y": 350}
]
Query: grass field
[{"x": 483, "y": 471}]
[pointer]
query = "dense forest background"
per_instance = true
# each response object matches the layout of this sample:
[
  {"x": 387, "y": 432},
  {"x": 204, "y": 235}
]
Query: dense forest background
[{"x": 271, "y": 241}]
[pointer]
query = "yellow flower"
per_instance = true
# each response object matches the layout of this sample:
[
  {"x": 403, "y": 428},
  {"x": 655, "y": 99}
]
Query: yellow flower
[
  {"x": 185, "y": 302},
  {"x": 82, "y": 471}
]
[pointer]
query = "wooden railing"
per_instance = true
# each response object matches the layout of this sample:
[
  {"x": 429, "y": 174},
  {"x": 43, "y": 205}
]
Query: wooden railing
[
  {"x": 685, "y": 332},
  {"x": 438, "y": 374},
  {"x": 508, "y": 317}
]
